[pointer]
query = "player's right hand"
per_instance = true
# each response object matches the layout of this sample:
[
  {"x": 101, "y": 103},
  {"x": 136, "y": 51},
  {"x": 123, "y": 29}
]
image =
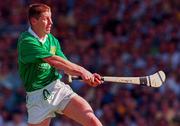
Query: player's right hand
[
  {"x": 97, "y": 80},
  {"x": 91, "y": 79}
]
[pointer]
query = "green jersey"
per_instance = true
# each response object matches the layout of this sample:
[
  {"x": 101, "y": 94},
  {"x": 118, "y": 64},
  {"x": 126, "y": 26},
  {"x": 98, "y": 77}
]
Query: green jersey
[{"x": 34, "y": 72}]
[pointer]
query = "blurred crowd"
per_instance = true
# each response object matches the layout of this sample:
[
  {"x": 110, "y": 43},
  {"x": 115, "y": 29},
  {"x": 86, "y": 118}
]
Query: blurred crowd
[{"x": 110, "y": 37}]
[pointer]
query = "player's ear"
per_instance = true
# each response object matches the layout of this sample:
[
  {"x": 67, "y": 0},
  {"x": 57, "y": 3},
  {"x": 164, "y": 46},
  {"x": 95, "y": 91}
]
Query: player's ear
[{"x": 33, "y": 21}]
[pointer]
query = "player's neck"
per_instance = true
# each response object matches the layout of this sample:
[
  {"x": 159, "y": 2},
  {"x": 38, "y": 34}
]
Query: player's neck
[{"x": 40, "y": 34}]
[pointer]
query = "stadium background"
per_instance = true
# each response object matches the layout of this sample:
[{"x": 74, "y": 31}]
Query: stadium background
[{"x": 110, "y": 37}]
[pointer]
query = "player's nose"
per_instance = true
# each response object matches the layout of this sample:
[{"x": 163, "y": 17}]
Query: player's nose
[{"x": 50, "y": 22}]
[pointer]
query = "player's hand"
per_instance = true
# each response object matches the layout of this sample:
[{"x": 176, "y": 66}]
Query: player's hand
[
  {"x": 97, "y": 80},
  {"x": 91, "y": 79},
  {"x": 87, "y": 76}
]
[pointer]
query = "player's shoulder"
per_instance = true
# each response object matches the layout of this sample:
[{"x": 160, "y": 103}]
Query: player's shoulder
[{"x": 26, "y": 37}]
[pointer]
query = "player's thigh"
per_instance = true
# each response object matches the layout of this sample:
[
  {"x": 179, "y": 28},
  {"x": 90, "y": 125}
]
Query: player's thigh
[
  {"x": 79, "y": 110},
  {"x": 46, "y": 122}
]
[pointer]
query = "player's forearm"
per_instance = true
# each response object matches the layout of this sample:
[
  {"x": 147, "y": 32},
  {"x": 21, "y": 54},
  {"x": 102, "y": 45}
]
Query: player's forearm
[{"x": 65, "y": 65}]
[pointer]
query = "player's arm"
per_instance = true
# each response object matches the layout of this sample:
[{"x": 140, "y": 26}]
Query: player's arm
[
  {"x": 72, "y": 69},
  {"x": 62, "y": 64}
]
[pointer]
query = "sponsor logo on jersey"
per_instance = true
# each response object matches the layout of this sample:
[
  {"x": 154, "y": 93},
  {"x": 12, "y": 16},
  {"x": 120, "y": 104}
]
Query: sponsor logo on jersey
[{"x": 44, "y": 66}]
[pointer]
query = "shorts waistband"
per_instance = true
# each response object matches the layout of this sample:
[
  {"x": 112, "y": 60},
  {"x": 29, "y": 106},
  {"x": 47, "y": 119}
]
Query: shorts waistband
[{"x": 47, "y": 86}]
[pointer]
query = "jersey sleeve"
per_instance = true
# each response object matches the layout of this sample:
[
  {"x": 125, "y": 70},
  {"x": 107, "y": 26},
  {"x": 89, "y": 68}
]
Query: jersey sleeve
[{"x": 32, "y": 52}]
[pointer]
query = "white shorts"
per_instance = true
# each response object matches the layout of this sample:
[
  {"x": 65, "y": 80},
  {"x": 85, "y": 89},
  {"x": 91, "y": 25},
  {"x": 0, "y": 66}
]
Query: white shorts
[{"x": 43, "y": 103}]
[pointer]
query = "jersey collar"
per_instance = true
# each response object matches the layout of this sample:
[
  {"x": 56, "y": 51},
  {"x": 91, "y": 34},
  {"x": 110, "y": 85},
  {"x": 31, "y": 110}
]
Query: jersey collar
[{"x": 35, "y": 35}]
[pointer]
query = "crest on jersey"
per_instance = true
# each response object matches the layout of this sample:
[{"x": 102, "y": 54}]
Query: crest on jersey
[{"x": 53, "y": 50}]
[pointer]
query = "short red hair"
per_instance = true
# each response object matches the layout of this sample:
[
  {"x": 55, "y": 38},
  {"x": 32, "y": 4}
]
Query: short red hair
[{"x": 35, "y": 10}]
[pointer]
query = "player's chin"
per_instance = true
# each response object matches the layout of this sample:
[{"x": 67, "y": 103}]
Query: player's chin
[{"x": 48, "y": 31}]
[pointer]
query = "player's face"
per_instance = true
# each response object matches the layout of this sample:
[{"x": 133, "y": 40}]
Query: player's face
[{"x": 44, "y": 22}]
